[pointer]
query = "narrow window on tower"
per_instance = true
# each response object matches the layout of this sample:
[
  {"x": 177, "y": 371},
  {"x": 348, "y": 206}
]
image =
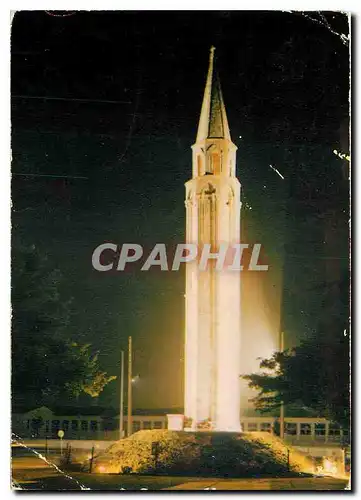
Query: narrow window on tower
[
  {"x": 199, "y": 165},
  {"x": 216, "y": 163}
]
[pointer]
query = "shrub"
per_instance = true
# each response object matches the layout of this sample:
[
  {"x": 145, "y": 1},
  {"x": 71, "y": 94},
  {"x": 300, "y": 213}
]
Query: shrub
[{"x": 201, "y": 453}]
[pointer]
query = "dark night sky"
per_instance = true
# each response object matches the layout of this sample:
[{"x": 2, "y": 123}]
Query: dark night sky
[{"x": 131, "y": 85}]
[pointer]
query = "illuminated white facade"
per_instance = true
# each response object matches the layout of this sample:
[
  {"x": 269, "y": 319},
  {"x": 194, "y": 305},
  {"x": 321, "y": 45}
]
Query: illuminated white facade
[{"x": 213, "y": 297}]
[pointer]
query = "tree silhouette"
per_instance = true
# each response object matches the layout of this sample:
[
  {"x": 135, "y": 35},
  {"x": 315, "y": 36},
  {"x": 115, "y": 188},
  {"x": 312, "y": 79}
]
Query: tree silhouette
[{"x": 46, "y": 364}]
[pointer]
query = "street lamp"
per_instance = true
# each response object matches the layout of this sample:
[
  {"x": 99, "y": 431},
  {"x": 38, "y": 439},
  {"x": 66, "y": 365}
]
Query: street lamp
[
  {"x": 282, "y": 409},
  {"x": 129, "y": 423},
  {"x": 121, "y": 414},
  {"x": 131, "y": 380}
]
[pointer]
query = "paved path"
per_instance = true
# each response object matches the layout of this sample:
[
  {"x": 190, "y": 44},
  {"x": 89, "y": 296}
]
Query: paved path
[
  {"x": 31, "y": 472},
  {"x": 313, "y": 483}
]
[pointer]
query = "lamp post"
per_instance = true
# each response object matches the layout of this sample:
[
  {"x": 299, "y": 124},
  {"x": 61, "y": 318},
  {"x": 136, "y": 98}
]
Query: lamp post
[
  {"x": 121, "y": 414},
  {"x": 130, "y": 423},
  {"x": 282, "y": 408}
]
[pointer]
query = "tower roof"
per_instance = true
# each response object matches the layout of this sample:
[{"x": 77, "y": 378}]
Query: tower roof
[{"x": 213, "y": 121}]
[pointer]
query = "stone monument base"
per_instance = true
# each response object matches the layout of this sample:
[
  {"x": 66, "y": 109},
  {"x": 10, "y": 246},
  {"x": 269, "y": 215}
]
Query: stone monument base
[{"x": 175, "y": 422}]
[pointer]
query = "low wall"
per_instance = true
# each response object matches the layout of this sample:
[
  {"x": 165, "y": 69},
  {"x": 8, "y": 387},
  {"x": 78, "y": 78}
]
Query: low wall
[{"x": 54, "y": 444}]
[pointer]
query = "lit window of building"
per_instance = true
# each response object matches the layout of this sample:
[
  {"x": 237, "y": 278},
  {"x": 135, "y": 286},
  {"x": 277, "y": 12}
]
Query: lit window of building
[
  {"x": 305, "y": 430},
  {"x": 334, "y": 430},
  {"x": 252, "y": 426},
  {"x": 55, "y": 425},
  {"x": 265, "y": 427},
  {"x": 93, "y": 425},
  {"x": 320, "y": 429},
  {"x": 136, "y": 426},
  {"x": 291, "y": 429}
]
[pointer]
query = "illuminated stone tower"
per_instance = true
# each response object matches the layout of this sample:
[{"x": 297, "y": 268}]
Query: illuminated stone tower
[{"x": 213, "y": 301}]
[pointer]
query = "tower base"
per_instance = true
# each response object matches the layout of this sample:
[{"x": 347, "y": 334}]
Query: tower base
[{"x": 178, "y": 422}]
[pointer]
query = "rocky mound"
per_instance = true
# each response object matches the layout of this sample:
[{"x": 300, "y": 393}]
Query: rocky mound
[{"x": 202, "y": 454}]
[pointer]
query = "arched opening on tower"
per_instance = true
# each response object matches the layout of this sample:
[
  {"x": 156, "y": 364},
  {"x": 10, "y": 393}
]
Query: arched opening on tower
[
  {"x": 199, "y": 165},
  {"x": 216, "y": 163}
]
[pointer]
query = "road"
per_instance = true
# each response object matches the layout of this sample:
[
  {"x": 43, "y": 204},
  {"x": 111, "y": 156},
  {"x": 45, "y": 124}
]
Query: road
[{"x": 32, "y": 472}]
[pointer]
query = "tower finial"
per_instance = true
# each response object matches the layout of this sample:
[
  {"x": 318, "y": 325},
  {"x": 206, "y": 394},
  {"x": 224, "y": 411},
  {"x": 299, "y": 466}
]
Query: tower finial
[{"x": 213, "y": 120}]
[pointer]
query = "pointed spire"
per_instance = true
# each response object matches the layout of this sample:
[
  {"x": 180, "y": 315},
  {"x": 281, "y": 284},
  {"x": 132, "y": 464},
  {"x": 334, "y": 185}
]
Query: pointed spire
[{"x": 213, "y": 121}]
